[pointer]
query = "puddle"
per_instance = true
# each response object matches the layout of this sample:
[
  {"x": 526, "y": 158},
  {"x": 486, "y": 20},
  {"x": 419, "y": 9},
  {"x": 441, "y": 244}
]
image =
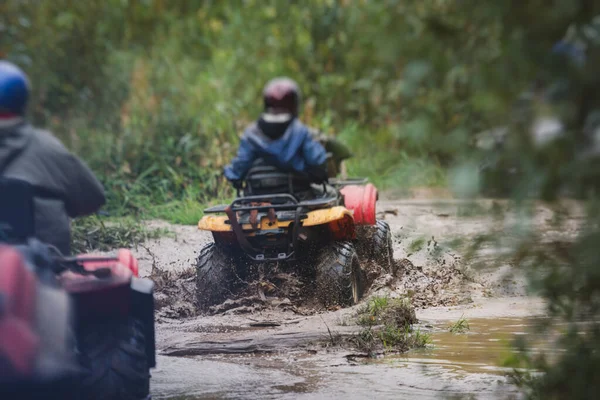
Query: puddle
[
  {"x": 321, "y": 377},
  {"x": 458, "y": 364},
  {"x": 235, "y": 378},
  {"x": 480, "y": 350}
]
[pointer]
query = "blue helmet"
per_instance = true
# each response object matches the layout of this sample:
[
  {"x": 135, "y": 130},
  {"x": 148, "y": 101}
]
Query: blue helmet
[{"x": 14, "y": 89}]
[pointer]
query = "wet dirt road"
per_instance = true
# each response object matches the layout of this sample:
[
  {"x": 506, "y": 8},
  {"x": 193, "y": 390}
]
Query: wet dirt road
[
  {"x": 457, "y": 365},
  {"x": 271, "y": 353}
]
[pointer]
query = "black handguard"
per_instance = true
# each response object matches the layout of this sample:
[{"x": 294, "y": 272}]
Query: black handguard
[
  {"x": 237, "y": 183},
  {"x": 318, "y": 174}
]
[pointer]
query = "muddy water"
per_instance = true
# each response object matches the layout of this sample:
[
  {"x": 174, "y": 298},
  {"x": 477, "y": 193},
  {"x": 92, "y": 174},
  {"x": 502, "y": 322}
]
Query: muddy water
[
  {"x": 480, "y": 350},
  {"x": 456, "y": 364}
]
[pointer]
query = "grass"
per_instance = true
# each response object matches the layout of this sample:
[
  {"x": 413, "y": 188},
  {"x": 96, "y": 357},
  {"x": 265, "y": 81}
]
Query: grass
[
  {"x": 186, "y": 211},
  {"x": 460, "y": 326},
  {"x": 420, "y": 339},
  {"x": 378, "y": 157},
  {"x": 388, "y": 325},
  {"x": 394, "y": 337},
  {"x": 397, "y": 174},
  {"x": 335, "y": 338},
  {"x": 383, "y": 310},
  {"x": 104, "y": 234},
  {"x": 183, "y": 212},
  {"x": 377, "y": 306}
]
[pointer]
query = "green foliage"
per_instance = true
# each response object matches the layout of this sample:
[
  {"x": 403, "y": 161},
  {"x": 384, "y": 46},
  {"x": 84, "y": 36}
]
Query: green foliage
[
  {"x": 394, "y": 337},
  {"x": 154, "y": 94},
  {"x": 460, "y": 326},
  {"x": 94, "y": 233},
  {"x": 419, "y": 339},
  {"x": 187, "y": 211},
  {"x": 184, "y": 212},
  {"x": 382, "y": 310},
  {"x": 529, "y": 165},
  {"x": 388, "y": 325},
  {"x": 567, "y": 275}
]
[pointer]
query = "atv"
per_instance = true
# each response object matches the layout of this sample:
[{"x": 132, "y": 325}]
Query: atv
[
  {"x": 324, "y": 230},
  {"x": 77, "y": 327}
]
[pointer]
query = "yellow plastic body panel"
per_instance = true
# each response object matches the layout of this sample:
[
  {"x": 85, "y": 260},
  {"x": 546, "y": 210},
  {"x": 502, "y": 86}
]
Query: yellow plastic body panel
[
  {"x": 214, "y": 223},
  {"x": 325, "y": 216},
  {"x": 218, "y": 223}
]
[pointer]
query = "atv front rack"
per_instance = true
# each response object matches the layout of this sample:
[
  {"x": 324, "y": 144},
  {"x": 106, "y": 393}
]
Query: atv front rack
[{"x": 276, "y": 202}]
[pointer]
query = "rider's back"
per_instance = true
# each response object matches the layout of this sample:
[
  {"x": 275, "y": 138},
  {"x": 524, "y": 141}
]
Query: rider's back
[
  {"x": 64, "y": 185},
  {"x": 279, "y": 138},
  {"x": 292, "y": 150}
]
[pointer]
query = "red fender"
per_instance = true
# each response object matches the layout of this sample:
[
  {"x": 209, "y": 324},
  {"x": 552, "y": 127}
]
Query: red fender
[
  {"x": 126, "y": 258},
  {"x": 361, "y": 200},
  {"x": 103, "y": 296},
  {"x": 18, "y": 341}
]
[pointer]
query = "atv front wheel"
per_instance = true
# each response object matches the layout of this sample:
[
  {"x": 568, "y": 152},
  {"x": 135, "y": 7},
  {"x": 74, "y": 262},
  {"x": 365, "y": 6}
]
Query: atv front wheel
[
  {"x": 216, "y": 273},
  {"x": 340, "y": 279},
  {"x": 113, "y": 355}
]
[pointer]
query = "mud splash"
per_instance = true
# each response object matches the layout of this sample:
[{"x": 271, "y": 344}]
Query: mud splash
[
  {"x": 175, "y": 293},
  {"x": 440, "y": 283}
]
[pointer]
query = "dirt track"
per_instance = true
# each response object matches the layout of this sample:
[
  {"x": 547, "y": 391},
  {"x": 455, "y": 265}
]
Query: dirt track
[{"x": 430, "y": 238}]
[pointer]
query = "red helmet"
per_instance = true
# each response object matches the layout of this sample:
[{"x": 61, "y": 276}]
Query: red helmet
[{"x": 281, "y": 96}]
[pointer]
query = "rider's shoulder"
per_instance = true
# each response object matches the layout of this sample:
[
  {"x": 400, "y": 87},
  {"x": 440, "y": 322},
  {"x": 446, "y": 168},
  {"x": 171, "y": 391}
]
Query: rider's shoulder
[
  {"x": 315, "y": 133},
  {"x": 250, "y": 131},
  {"x": 301, "y": 127},
  {"x": 46, "y": 141}
]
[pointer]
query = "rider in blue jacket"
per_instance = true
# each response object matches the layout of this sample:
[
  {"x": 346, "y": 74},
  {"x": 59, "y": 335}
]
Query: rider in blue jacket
[{"x": 279, "y": 138}]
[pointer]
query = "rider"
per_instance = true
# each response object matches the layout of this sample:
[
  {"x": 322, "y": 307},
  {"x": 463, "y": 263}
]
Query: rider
[
  {"x": 64, "y": 186},
  {"x": 279, "y": 137}
]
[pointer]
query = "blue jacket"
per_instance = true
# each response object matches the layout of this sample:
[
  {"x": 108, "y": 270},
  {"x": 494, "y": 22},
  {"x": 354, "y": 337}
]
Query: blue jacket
[{"x": 296, "y": 150}]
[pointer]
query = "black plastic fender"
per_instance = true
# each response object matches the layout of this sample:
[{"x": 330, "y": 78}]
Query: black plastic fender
[{"x": 142, "y": 308}]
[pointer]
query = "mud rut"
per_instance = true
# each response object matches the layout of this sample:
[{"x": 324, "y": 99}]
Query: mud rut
[{"x": 273, "y": 316}]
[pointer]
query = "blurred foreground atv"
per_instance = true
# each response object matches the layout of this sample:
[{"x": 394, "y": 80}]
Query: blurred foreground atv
[
  {"x": 75, "y": 327},
  {"x": 278, "y": 218}
]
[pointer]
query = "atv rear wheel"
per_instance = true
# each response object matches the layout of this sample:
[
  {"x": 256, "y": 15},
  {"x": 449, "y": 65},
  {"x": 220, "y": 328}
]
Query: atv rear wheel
[
  {"x": 216, "y": 274},
  {"x": 383, "y": 250},
  {"x": 340, "y": 279},
  {"x": 374, "y": 243},
  {"x": 113, "y": 353}
]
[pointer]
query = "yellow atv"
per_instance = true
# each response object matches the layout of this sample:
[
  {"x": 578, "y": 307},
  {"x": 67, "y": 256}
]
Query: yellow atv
[{"x": 282, "y": 217}]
